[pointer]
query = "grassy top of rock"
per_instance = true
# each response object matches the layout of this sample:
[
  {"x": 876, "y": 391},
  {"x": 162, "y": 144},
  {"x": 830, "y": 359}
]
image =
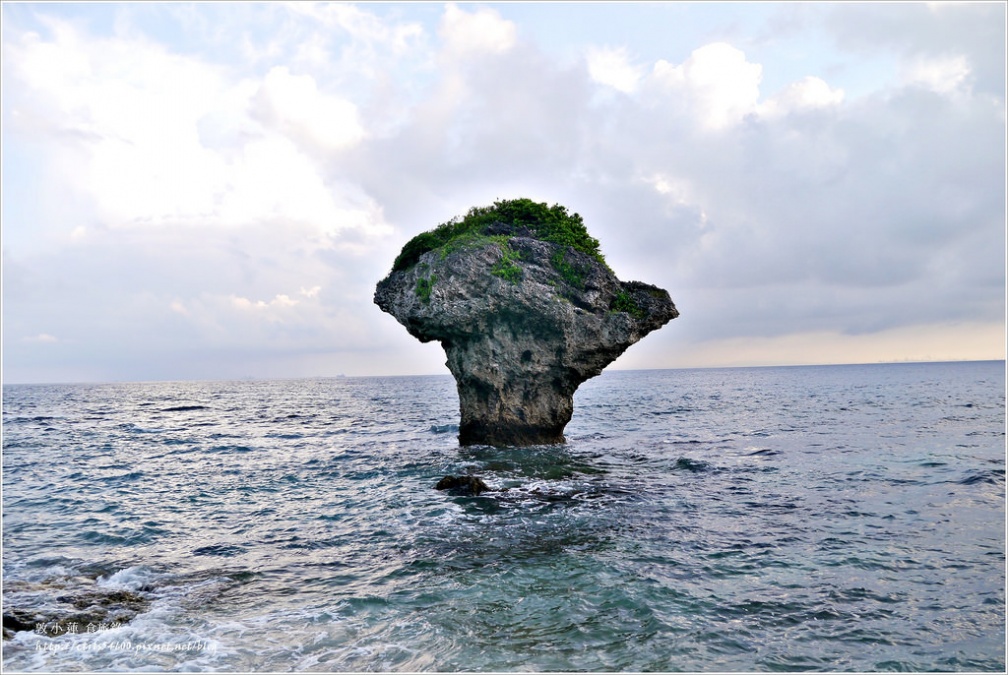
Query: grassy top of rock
[{"x": 509, "y": 217}]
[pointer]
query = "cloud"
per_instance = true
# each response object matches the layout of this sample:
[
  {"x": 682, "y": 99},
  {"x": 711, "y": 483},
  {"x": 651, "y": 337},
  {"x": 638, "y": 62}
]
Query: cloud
[
  {"x": 42, "y": 338},
  {"x": 943, "y": 75},
  {"x": 168, "y": 139},
  {"x": 362, "y": 26},
  {"x": 942, "y": 341},
  {"x": 480, "y": 32},
  {"x": 239, "y": 210},
  {"x": 281, "y": 300},
  {"x": 928, "y": 32},
  {"x": 808, "y": 93},
  {"x": 294, "y": 104},
  {"x": 122, "y": 113},
  {"x": 612, "y": 67},
  {"x": 717, "y": 80}
]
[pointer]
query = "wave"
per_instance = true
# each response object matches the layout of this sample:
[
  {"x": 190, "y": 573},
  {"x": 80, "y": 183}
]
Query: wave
[
  {"x": 137, "y": 578},
  {"x": 693, "y": 465},
  {"x": 224, "y": 550},
  {"x": 444, "y": 428},
  {"x": 989, "y": 477}
]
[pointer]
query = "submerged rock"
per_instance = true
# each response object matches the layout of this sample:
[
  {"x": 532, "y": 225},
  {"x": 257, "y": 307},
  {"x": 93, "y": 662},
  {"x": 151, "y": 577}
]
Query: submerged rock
[
  {"x": 526, "y": 310},
  {"x": 85, "y": 612},
  {"x": 472, "y": 485},
  {"x": 17, "y": 620}
]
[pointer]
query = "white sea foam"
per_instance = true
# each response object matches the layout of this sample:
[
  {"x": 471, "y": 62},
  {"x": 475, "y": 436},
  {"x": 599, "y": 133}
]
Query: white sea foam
[{"x": 136, "y": 578}]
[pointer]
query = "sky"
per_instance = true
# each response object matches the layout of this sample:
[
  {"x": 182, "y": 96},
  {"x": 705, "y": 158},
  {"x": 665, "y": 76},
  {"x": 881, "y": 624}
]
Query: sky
[{"x": 212, "y": 190}]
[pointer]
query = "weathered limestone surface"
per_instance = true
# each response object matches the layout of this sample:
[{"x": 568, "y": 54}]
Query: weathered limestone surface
[{"x": 520, "y": 347}]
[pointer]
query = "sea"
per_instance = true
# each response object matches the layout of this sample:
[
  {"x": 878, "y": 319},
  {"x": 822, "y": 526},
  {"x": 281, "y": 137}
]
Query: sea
[{"x": 826, "y": 518}]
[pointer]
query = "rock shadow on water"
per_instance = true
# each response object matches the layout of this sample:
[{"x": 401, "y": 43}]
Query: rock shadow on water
[
  {"x": 545, "y": 462},
  {"x": 509, "y": 524}
]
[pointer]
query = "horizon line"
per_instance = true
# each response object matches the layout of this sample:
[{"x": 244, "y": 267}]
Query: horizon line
[{"x": 255, "y": 378}]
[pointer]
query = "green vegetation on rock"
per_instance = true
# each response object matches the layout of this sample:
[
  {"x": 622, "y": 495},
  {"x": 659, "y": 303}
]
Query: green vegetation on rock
[
  {"x": 508, "y": 217},
  {"x": 570, "y": 273},
  {"x": 624, "y": 302},
  {"x": 507, "y": 268},
  {"x": 424, "y": 286}
]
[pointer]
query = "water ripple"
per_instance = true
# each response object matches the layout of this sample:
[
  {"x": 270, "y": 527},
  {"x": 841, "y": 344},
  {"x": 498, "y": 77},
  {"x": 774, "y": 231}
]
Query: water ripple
[{"x": 751, "y": 519}]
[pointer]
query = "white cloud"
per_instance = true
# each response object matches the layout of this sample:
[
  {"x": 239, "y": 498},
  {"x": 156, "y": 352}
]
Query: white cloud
[
  {"x": 612, "y": 67},
  {"x": 279, "y": 301},
  {"x": 678, "y": 189},
  {"x": 361, "y": 25},
  {"x": 944, "y": 75},
  {"x": 295, "y": 105},
  {"x": 42, "y": 338},
  {"x": 718, "y": 81},
  {"x": 681, "y": 193},
  {"x": 471, "y": 33},
  {"x": 280, "y": 324},
  {"x": 273, "y": 179},
  {"x": 146, "y": 137},
  {"x": 129, "y": 110},
  {"x": 808, "y": 93}
]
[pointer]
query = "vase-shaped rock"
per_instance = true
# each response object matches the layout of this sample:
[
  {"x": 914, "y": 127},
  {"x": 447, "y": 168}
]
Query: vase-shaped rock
[{"x": 523, "y": 322}]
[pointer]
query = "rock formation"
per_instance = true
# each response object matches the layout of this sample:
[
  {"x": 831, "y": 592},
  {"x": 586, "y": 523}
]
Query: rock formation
[
  {"x": 76, "y": 613},
  {"x": 463, "y": 485},
  {"x": 526, "y": 310}
]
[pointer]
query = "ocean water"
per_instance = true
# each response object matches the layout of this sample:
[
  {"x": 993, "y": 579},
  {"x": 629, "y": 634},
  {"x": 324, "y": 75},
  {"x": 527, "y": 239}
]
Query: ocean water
[{"x": 804, "y": 518}]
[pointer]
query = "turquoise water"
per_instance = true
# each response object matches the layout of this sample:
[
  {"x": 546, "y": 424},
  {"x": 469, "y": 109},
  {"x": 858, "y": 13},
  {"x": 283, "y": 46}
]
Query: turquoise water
[{"x": 807, "y": 518}]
